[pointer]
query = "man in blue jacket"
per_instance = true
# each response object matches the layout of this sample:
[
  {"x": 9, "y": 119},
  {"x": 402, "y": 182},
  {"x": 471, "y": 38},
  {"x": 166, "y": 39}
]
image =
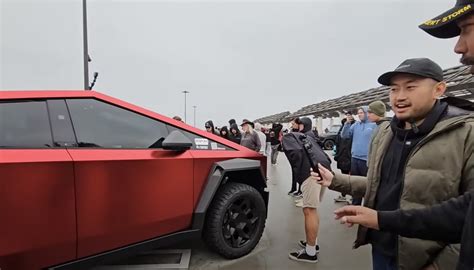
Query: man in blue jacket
[{"x": 361, "y": 134}]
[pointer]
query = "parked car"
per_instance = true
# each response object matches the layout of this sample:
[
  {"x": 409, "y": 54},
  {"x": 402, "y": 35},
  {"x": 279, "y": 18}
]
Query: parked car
[
  {"x": 86, "y": 178},
  {"x": 328, "y": 139}
]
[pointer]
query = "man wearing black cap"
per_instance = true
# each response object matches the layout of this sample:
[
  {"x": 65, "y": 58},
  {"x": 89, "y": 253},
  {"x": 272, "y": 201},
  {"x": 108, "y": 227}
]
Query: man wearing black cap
[
  {"x": 421, "y": 158},
  {"x": 457, "y": 21}
]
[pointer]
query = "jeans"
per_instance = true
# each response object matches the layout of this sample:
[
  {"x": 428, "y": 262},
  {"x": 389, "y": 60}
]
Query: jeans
[
  {"x": 382, "y": 262},
  {"x": 268, "y": 149},
  {"x": 274, "y": 153},
  {"x": 358, "y": 167}
]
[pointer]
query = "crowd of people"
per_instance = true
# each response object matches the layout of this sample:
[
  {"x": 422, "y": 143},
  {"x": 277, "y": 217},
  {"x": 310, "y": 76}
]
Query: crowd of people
[
  {"x": 406, "y": 170},
  {"x": 413, "y": 173},
  {"x": 266, "y": 141}
]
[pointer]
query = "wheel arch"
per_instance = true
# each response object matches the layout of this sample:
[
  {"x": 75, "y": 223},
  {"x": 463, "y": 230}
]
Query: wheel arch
[{"x": 240, "y": 170}]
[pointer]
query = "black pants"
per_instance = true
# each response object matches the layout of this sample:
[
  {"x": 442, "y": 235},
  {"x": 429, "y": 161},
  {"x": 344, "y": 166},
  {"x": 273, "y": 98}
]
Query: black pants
[
  {"x": 358, "y": 167},
  {"x": 293, "y": 185}
]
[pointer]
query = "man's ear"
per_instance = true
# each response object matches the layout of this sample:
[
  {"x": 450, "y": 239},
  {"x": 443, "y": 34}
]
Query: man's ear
[{"x": 440, "y": 89}]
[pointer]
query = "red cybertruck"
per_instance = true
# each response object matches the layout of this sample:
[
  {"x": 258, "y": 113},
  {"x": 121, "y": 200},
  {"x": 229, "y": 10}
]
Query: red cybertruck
[{"x": 85, "y": 177}]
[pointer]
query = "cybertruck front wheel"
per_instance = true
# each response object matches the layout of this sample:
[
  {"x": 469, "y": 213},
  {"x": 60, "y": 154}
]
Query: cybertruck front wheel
[{"x": 235, "y": 220}]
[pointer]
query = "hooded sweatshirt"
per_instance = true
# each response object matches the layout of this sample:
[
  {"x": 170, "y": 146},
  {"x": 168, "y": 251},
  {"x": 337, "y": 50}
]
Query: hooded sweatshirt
[
  {"x": 361, "y": 134},
  {"x": 213, "y": 129},
  {"x": 308, "y": 125},
  {"x": 226, "y": 136},
  {"x": 293, "y": 148},
  {"x": 235, "y": 138}
]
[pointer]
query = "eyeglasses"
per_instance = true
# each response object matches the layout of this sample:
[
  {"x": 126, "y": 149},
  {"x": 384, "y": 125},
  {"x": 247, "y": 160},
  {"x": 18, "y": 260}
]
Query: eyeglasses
[{"x": 208, "y": 127}]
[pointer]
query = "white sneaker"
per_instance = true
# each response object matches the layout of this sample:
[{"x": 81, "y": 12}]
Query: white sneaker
[{"x": 299, "y": 204}]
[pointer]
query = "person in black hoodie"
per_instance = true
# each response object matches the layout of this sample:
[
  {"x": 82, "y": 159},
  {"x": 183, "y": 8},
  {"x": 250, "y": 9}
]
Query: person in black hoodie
[
  {"x": 275, "y": 141},
  {"x": 224, "y": 133},
  {"x": 451, "y": 221},
  {"x": 302, "y": 125},
  {"x": 234, "y": 134},
  {"x": 209, "y": 125},
  {"x": 311, "y": 191}
]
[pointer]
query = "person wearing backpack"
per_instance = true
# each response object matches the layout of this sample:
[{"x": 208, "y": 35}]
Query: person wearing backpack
[{"x": 295, "y": 145}]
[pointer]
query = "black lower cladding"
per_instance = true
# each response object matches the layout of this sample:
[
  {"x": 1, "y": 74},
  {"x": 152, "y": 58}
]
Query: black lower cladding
[{"x": 111, "y": 256}]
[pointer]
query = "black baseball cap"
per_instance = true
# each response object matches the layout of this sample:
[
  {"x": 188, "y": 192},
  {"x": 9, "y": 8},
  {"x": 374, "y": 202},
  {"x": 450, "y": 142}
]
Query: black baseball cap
[
  {"x": 444, "y": 25},
  {"x": 422, "y": 67}
]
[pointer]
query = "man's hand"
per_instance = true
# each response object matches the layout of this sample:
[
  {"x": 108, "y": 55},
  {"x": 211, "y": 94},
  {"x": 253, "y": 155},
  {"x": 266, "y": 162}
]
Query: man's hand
[
  {"x": 364, "y": 216},
  {"x": 325, "y": 179}
]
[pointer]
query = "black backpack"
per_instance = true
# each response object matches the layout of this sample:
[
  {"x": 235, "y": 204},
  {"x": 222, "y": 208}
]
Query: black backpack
[{"x": 303, "y": 153}]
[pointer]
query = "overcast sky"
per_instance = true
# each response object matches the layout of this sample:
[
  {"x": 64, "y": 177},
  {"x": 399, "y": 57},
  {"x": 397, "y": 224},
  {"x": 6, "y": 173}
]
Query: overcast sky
[{"x": 238, "y": 59}]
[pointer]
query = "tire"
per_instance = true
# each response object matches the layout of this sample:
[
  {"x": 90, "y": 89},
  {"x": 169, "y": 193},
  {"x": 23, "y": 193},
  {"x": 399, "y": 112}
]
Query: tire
[
  {"x": 235, "y": 220},
  {"x": 328, "y": 144}
]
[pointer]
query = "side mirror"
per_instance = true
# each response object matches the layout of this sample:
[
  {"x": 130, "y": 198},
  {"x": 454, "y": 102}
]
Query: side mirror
[{"x": 177, "y": 141}]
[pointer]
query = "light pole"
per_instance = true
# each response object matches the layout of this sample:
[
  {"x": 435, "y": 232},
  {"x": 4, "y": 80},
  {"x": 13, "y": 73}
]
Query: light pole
[
  {"x": 194, "y": 107},
  {"x": 185, "y": 93},
  {"x": 86, "y": 53}
]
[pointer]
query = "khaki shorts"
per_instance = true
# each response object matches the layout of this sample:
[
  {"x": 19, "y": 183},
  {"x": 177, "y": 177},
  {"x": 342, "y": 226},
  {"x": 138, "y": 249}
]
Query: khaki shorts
[{"x": 312, "y": 193}]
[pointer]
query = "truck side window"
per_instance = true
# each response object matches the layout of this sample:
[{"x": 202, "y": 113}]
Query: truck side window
[
  {"x": 100, "y": 124},
  {"x": 25, "y": 124}
]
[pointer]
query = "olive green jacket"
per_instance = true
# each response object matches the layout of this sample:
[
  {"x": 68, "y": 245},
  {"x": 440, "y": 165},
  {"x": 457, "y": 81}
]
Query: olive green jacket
[{"x": 441, "y": 166}]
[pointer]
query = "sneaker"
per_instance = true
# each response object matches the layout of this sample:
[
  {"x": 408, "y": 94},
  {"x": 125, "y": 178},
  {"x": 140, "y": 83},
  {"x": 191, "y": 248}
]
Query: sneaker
[
  {"x": 302, "y": 244},
  {"x": 299, "y": 204},
  {"x": 297, "y": 194},
  {"x": 291, "y": 192},
  {"x": 302, "y": 256}
]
